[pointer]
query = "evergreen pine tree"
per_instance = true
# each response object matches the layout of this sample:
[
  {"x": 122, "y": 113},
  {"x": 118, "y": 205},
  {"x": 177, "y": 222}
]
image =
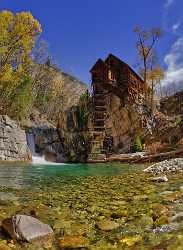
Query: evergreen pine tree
[{"x": 137, "y": 147}]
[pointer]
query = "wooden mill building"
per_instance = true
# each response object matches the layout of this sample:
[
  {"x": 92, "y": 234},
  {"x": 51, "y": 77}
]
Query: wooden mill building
[{"x": 110, "y": 76}]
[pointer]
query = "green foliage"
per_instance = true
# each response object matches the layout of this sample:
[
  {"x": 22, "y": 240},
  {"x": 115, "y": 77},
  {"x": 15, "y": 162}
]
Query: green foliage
[
  {"x": 178, "y": 120},
  {"x": 82, "y": 116},
  {"x": 84, "y": 97},
  {"x": 22, "y": 99},
  {"x": 18, "y": 33},
  {"x": 83, "y": 109},
  {"x": 137, "y": 146}
]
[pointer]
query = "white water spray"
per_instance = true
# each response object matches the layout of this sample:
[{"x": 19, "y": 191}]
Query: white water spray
[{"x": 37, "y": 158}]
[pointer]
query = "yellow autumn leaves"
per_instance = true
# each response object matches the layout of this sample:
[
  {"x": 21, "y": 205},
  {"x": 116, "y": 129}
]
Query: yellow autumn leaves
[{"x": 18, "y": 34}]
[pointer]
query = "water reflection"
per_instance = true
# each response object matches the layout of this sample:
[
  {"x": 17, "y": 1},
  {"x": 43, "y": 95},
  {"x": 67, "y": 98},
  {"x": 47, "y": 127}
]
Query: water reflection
[
  {"x": 11, "y": 177},
  {"x": 22, "y": 176}
]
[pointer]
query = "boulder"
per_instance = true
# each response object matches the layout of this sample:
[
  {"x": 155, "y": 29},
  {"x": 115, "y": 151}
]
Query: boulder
[
  {"x": 26, "y": 228},
  {"x": 13, "y": 143}
]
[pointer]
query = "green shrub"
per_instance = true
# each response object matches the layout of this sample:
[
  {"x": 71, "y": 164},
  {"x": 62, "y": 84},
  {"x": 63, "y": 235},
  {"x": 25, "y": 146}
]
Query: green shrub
[
  {"x": 83, "y": 111},
  {"x": 84, "y": 97},
  {"x": 137, "y": 146},
  {"x": 178, "y": 120},
  {"x": 82, "y": 116},
  {"x": 22, "y": 99}
]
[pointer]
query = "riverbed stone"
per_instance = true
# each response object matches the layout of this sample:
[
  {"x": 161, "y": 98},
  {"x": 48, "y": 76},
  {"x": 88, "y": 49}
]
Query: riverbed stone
[
  {"x": 3, "y": 246},
  {"x": 107, "y": 225},
  {"x": 26, "y": 228},
  {"x": 162, "y": 220},
  {"x": 72, "y": 242},
  {"x": 130, "y": 241},
  {"x": 178, "y": 217},
  {"x": 4, "y": 196},
  {"x": 162, "y": 178}
]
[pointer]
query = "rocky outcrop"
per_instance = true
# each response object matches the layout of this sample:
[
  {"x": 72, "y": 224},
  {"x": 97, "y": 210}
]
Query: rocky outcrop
[
  {"x": 13, "y": 143},
  {"x": 172, "y": 105},
  {"x": 75, "y": 140},
  {"x": 72, "y": 89},
  {"x": 125, "y": 122},
  {"x": 67, "y": 143},
  {"x": 65, "y": 88},
  {"x": 47, "y": 142},
  {"x": 167, "y": 131}
]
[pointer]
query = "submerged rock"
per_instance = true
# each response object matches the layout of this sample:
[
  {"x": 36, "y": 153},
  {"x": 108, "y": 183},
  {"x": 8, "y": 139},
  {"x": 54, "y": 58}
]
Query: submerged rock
[
  {"x": 178, "y": 217},
  {"x": 7, "y": 196},
  {"x": 167, "y": 228},
  {"x": 107, "y": 225},
  {"x": 130, "y": 241},
  {"x": 160, "y": 179},
  {"x": 26, "y": 228},
  {"x": 4, "y": 246},
  {"x": 73, "y": 242}
]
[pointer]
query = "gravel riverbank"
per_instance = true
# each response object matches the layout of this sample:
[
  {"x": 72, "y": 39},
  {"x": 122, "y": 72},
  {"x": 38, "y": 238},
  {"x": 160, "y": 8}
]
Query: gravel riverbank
[{"x": 173, "y": 165}]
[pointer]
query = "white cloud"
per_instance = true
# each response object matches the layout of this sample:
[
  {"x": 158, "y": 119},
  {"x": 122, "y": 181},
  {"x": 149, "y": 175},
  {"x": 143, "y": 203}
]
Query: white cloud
[
  {"x": 174, "y": 61},
  {"x": 176, "y": 26},
  {"x": 168, "y": 3}
]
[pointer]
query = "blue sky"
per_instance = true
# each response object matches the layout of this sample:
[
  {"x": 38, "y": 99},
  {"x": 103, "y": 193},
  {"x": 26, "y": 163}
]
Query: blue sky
[{"x": 80, "y": 31}]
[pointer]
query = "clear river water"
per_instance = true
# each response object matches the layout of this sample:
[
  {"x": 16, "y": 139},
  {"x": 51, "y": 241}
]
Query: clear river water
[{"x": 107, "y": 206}]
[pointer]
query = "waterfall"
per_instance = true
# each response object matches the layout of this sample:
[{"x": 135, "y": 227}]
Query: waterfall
[
  {"x": 31, "y": 143},
  {"x": 36, "y": 158}
]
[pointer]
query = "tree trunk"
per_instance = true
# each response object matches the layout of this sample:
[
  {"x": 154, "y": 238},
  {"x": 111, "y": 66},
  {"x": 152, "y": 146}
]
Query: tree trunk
[{"x": 152, "y": 97}]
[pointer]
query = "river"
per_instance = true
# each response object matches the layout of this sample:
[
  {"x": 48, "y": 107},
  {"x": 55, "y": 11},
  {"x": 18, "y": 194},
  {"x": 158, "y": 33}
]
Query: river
[{"x": 84, "y": 199}]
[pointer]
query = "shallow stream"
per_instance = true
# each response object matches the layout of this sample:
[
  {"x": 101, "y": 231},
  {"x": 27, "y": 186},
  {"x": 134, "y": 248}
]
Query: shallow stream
[{"x": 107, "y": 206}]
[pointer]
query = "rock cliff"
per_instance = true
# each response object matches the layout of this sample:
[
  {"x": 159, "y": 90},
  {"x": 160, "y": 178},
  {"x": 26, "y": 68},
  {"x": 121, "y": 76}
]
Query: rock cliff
[
  {"x": 74, "y": 139},
  {"x": 125, "y": 122},
  {"x": 48, "y": 142},
  {"x": 65, "y": 91},
  {"x": 58, "y": 145},
  {"x": 172, "y": 105},
  {"x": 13, "y": 143},
  {"x": 72, "y": 89}
]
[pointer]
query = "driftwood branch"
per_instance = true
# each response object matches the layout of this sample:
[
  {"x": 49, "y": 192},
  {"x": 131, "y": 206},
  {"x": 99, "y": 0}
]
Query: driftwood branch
[{"x": 132, "y": 158}]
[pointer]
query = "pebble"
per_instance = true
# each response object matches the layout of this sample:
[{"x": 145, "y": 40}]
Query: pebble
[{"x": 166, "y": 166}]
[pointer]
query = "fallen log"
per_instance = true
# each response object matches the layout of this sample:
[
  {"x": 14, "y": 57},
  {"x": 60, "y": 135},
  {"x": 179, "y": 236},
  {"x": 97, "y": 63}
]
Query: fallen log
[{"x": 145, "y": 158}]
